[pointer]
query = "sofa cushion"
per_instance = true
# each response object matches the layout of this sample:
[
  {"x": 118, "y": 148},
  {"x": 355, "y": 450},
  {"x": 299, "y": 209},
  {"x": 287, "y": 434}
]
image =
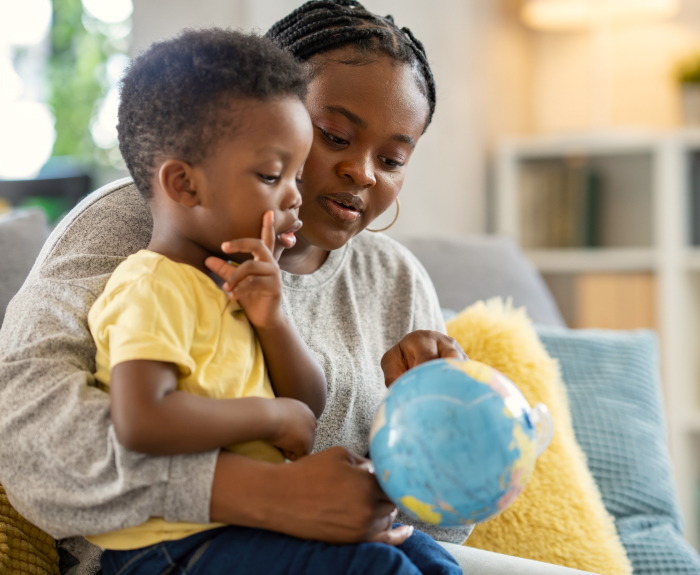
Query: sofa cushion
[
  {"x": 24, "y": 549},
  {"x": 469, "y": 269},
  {"x": 612, "y": 378},
  {"x": 560, "y": 517},
  {"x": 22, "y": 234}
]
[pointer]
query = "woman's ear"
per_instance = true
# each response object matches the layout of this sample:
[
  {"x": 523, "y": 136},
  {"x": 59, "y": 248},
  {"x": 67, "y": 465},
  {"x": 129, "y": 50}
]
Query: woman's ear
[{"x": 177, "y": 180}]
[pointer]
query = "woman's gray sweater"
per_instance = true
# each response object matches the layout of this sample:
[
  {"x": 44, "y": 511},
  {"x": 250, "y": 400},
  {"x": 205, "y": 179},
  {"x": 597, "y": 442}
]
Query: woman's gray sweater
[{"x": 60, "y": 462}]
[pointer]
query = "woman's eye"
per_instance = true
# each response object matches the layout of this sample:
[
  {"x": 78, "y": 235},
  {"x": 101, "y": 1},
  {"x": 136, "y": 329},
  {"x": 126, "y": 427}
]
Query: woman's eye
[
  {"x": 334, "y": 139},
  {"x": 268, "y": 179},
  {"x": 390, "y": 163}
]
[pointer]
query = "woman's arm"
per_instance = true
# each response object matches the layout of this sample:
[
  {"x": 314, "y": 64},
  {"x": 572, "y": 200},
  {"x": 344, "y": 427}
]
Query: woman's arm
[
  {"x": 62, "y": 467},
  {"x": 151, "y": 416},
  {"x": 427, "y": 339},
  {"x": 329, "y": 496}
]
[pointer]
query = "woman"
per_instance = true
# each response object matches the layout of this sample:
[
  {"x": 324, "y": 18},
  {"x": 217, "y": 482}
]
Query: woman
[{"x": 352, "y": 298}]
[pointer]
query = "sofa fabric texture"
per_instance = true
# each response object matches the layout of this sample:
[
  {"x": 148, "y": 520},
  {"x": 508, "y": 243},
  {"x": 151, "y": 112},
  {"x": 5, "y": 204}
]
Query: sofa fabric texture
[
  {"x": 560, "y": 517},
  {"x": 612, "y": 379},
  {"x": 24, "y": 549},
  {"x": 22, "y": 233}
]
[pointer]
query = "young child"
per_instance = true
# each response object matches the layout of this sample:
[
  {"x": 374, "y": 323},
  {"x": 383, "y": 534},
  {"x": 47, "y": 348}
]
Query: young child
[{"x": 214, "y": 131}]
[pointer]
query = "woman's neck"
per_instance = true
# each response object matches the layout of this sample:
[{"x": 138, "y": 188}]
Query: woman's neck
[{"x": 304, "y": 258}]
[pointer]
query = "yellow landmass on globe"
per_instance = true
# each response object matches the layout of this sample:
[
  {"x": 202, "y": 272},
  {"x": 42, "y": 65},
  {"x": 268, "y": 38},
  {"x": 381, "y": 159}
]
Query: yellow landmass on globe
[
  {"x": 526, "y": 462},
  {"x": 479, "y": 371},
  {"x": 424, "y": 511}
]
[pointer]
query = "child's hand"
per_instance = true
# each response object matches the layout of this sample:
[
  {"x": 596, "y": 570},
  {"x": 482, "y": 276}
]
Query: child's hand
[
  {"x": 256, "y": 283},
  {"x": 295, "y": 427}
]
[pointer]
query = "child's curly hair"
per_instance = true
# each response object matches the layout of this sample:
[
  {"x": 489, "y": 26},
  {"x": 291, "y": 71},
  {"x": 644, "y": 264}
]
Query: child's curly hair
[{"x": 176, "y": 95}]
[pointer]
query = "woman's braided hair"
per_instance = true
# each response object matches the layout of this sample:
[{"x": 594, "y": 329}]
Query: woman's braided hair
[{"x": 323, "y": 25}]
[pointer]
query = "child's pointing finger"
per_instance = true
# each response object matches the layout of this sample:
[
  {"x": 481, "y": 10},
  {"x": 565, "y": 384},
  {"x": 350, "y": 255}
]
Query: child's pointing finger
[{"x": 267, "y": 234}]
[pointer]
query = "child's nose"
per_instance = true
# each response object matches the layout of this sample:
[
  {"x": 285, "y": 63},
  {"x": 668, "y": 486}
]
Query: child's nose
[{"x": 292, "y": 197}]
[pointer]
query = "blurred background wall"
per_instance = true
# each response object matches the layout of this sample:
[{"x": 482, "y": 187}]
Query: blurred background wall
[
  {"x": 496, "y": 77},
  {"x": 445, "y": 188}
]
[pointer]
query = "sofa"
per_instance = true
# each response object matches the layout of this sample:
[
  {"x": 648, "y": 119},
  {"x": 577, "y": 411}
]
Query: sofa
[{"x": 463, "y": 270}]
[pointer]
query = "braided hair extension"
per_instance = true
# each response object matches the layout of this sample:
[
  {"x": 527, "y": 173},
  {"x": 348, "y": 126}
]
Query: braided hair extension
[{"x": 319, "y": 26}]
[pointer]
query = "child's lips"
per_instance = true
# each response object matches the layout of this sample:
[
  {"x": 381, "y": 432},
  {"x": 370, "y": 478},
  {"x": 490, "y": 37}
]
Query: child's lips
[{"x": 287, "y": 238}]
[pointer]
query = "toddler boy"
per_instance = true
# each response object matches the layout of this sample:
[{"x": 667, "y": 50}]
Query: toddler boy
[{"x": 214, "y": 131}]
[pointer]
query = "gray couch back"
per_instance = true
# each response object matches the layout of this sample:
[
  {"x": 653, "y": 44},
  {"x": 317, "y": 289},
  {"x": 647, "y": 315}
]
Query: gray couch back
[
  {"x": 465, "y": 270},
  {"x": 22, "y": 234}
]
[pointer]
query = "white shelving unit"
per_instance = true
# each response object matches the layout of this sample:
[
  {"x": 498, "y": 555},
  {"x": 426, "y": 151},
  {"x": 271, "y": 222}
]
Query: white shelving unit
[{"x": 658, "y": 222}]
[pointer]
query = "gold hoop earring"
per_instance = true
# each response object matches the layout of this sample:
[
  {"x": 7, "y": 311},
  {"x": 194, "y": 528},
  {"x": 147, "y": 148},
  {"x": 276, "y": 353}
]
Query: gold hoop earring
[{"x": 398, "y": 211}]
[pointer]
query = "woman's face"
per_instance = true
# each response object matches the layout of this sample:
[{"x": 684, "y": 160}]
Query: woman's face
[{"x": 367, "y": 120}]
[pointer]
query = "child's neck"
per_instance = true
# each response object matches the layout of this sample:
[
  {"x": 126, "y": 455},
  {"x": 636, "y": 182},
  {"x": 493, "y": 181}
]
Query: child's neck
[{"x": 167, "y": 242}]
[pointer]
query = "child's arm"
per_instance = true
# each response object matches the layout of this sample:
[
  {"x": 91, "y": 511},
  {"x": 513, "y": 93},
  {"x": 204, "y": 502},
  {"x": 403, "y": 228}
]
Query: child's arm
[
  {"x": 256, "y": 284},
  {"x": 151, "y": 416}
]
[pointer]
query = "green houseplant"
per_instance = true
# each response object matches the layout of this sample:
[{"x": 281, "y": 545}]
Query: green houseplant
[{"x": 688, "y": 76}]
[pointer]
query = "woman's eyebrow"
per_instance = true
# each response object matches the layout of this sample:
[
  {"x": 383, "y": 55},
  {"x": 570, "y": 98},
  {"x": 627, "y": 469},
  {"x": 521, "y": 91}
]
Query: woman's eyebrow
[{"x": 355, "y": 119}]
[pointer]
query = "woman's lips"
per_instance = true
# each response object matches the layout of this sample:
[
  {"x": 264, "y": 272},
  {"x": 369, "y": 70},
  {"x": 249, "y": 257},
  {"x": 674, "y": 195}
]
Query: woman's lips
[
  {"x": 287, "y": 238},
  {"x": 343, "y": 207}
]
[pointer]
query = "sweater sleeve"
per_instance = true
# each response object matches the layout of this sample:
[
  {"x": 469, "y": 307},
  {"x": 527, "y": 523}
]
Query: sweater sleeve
[
  {"x": 62, "y": 466},
  {"x": 427, "y": 313}
]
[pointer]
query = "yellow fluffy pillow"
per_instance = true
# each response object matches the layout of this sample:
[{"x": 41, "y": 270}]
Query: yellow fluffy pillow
[
  {"x": 24, "y": 549},
  {"x": 560, "y": 517}
]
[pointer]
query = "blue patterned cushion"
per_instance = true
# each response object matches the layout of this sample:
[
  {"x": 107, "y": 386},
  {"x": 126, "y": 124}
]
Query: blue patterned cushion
[{"x": 612, "y": 378}]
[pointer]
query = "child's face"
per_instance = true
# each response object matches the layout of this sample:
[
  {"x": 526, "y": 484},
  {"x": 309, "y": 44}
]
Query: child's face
[{"x": 255, "y": 171}]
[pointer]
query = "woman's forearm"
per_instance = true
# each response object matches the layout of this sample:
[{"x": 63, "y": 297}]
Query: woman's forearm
[
  {"x": 327, "y": 496},
  {"x": 293, "y": 370}
]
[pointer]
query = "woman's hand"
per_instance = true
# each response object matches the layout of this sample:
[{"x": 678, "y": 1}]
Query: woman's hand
[
  {"x": 256, "y": 284},
  {"x": 328, "y": 496},
  {"x": 416, "y": 348},
  {"x": 295, "y": 427}
]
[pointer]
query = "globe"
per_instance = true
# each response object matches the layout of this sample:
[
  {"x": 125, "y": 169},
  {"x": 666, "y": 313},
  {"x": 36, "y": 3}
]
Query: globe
[{"x": 455, "y": 442}]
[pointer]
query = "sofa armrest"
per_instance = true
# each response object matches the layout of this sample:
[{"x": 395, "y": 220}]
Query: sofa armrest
[{"x": 478, "y": 562}]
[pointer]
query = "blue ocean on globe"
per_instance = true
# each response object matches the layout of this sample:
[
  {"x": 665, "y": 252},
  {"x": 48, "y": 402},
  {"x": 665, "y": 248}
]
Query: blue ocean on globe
[{"x": 453, "y": 443}]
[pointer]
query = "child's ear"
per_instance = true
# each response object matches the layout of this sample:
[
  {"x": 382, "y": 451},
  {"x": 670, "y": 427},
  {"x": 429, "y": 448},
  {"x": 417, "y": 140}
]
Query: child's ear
[{"x": 177, "y": 179}]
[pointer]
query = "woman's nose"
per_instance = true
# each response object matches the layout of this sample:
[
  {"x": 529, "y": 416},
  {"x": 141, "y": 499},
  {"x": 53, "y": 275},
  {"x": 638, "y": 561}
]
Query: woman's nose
[{"x": 360, "y": 171}]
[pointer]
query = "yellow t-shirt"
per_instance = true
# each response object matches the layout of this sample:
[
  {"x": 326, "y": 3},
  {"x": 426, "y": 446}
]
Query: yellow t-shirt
[{"x": 155, "y": 309}]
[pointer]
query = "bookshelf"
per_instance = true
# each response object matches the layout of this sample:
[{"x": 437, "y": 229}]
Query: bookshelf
[{"x": 617, "y": 239}]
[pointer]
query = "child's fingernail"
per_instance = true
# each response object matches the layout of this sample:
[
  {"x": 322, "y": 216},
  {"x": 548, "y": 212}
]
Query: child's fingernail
[{"x": 226, "y": 287}]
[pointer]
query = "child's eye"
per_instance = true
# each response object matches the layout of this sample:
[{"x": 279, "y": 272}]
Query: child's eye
[
  {"x": 268, "y": 179},
  {"x": 333, "y": 139},
  {"x": 299, "y": 182},
  {"x": 388, "y": 162}
]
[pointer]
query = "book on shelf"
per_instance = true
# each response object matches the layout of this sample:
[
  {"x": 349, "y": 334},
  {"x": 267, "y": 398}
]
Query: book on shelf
[
  {"x": 559, "y": 205},
  {"x": 606, "y": 300},
  {"x": 695, "y": 198}
]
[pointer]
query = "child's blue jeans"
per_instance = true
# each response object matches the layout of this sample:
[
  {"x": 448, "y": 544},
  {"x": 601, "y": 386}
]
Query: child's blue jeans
[{"x": 245, "y": 551}]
